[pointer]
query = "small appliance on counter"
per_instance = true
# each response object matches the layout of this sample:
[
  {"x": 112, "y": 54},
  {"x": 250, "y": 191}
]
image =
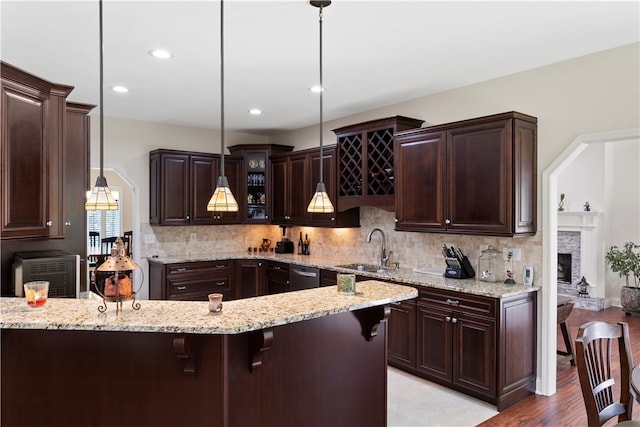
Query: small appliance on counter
[
  {"x": 60, "y": 268},
  {"x": 458, "y": 265},
  {"x": 284, "y": 246}
]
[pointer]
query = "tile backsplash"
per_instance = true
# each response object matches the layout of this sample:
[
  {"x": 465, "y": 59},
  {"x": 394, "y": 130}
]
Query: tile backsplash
[{"x": 342, "y": 244}]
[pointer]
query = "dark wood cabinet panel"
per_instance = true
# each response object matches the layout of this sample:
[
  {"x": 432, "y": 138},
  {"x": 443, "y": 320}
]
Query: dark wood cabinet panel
[
  {"x": 347, "y": 218},
  {"x": 32, "y": 157},
  {"x": 181, "y": 184},
  {"x": 203, "y": 179},
  {"x": 290, "y": 188},
  {"x": 249, "y": 279},
  {"x": 366, "y": 162},
  {"x": 477, "y": 176},
  {"x": 277, "y": 277},
  {"x": 191, "y": 281},
  {"x": 421, "y": 183},
  {"x": 402, "y": 334}
]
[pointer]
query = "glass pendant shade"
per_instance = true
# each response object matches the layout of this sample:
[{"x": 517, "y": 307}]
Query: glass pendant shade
[
  {"x": 101, "y": 198},
  {"x": 320, "y": 202},
  {"x": 222, "y": 199}
]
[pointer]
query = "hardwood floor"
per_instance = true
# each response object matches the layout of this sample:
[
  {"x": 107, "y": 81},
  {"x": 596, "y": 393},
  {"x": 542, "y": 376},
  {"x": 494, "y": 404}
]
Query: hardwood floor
[{"x": 566, "y": 407}]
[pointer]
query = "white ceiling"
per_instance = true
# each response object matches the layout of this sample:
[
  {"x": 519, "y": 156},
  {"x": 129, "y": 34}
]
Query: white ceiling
[{"x": 376, "y": 53}]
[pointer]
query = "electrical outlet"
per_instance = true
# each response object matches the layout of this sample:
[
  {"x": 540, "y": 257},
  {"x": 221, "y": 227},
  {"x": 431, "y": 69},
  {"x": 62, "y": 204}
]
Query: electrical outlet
[
  {"x": 484, "y": 247},
  {"x": 192, "y": 237},
  {"x": 149, "y": 239},
  {"x": 516, "y": 254}
]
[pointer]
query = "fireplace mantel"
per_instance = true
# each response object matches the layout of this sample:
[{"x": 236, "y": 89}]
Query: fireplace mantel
[{"x": 577, "y": 221}]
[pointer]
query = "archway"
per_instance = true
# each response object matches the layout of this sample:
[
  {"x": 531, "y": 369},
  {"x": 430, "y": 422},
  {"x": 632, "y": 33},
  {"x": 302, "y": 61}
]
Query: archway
[{"x": 548, "y": 299}]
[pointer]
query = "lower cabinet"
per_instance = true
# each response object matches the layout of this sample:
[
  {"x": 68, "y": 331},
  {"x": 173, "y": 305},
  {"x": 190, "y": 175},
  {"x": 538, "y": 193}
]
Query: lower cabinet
[
  {"x": 191, "y": 281},
  {"x": 277, "y": 277},
  {"x": 249, "y": 279},
  {"x": 401, "y": 350},
  {"x": 481, "y": 346}
]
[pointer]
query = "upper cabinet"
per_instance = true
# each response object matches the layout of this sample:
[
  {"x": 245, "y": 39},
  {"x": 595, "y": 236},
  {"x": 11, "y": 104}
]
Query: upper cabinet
[
  {"x": 295, "y": 177},
  {"x": 290, "y": 188},
  {"x": 475, "y": 176},
  {"x": 181, "y": 184},
  {"x": 365, "y": 162},
  {"x": 256, "y": 190},
  {"x": 32, "y": 156}
]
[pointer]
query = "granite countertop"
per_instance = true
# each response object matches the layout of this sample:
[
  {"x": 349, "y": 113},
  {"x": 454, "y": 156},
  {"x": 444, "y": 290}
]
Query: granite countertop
[
  {"x": 402, "y": 275},
  {"x": 191, "y": 317}
]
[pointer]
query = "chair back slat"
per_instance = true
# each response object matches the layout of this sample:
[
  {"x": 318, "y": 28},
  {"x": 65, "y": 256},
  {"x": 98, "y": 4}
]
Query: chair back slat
[{"x": 595, "y": 356}]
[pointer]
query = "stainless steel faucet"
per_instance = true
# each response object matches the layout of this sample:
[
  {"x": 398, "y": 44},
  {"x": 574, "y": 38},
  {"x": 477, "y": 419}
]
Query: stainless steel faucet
[{"x": 384, "y": 257}]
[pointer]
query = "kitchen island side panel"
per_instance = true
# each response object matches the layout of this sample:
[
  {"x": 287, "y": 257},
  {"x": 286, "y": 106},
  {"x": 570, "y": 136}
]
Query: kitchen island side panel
[{"x": 316, "y": 372}]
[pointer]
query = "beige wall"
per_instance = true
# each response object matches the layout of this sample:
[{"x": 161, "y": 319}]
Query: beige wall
[{"x": 595, "y": 93}]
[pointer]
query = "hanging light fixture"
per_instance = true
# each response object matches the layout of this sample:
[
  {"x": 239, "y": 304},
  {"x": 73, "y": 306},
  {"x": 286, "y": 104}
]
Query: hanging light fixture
[
  {"x": 101, "y": 198},
  {"x": 320, "y": 202},
  {"x": 222, "y": 199}
]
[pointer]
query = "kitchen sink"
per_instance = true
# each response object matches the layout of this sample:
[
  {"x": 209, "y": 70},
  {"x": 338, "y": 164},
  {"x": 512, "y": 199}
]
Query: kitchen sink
[{"x": 365, "y": 267}]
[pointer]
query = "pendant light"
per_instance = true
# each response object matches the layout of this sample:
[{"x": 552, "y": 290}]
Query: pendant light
[
  {"x": 222, "y": 199},
  {"x": 320, "y": 202},
  {"x": 101, "y": 198}
]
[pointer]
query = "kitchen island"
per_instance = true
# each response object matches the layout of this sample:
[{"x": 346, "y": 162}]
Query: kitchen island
[{"x": 311, "y": 357}]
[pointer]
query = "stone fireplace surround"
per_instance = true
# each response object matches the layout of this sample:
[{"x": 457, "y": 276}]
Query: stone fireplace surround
[{"x": 578, "y": 235}]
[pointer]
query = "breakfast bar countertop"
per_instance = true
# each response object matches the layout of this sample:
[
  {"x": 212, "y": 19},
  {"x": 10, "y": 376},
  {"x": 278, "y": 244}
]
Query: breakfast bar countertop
[
  {"x": 402, "y": 275},
  {"x": 190, "y": 317}
]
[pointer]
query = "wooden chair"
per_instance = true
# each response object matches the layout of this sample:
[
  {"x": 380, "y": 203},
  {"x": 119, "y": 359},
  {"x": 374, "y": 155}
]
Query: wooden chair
[
  {"x": 106, "y": 245},
  {"x": 94, "y": 239},
  {"x": 565, "y": 306},
  {"x": 596, "y": 365}
]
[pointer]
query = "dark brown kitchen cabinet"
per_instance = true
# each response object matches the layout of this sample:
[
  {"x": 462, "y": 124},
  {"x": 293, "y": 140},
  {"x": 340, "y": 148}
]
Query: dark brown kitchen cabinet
[
  {"x": 256, "y": 187},
  {"x": 290, "y": 188},
  {"x": 402, "y": 336},
  {"x": 366, "y": 162},
  {"x": 249, "y": 279},
  {"x": 476, "y": 176},
  {"x": 181, "y": 184},
  {"x": 295, "y": 176},
  {"x": 481, "y": 346},
  {"x": 277, "y": 277},
  {"x": 347, "y": 218},
  {"x": 32, "y": 155},
  {"x": 191, "y": 281}
]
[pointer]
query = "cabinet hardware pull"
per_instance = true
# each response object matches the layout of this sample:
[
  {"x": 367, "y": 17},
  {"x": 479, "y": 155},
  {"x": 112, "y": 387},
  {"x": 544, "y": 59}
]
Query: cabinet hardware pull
[
  {"x": 259, "y": 264},
  {"x": 452, "y": 302},
  {"x": 448, "y": 318},
  {"x": 188, "y": 217},
  {"x": 49, "y": 223},
  {"x": 454, "y": 320},
  {"x": 181, "y": 288},
  {"x": 181, "y": 269},
  {"x": 67, "y": 223},
  {"x": 447, "y": 221},
  {"x": 219, "y": 283}
]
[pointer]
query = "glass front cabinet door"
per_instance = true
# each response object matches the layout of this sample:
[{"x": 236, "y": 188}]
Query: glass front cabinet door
[{"x": 257, "y": 189}]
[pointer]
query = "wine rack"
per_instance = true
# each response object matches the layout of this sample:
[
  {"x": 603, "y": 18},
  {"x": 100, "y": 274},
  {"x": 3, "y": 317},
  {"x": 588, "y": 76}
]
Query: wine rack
[{"x": 365, "y": 159}]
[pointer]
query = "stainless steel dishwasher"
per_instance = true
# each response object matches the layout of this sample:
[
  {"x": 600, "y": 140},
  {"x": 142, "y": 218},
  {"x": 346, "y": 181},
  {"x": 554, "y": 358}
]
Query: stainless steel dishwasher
[{"x": 303, "y": 277}]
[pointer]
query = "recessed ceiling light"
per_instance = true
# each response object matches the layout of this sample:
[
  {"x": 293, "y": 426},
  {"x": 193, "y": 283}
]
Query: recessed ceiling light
[
  {"x": 316, "y": 89},
  {"x": 120, "y": 89},
  {"x": 160, "y": 53},
  {"x": 255, "y": 111}
]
